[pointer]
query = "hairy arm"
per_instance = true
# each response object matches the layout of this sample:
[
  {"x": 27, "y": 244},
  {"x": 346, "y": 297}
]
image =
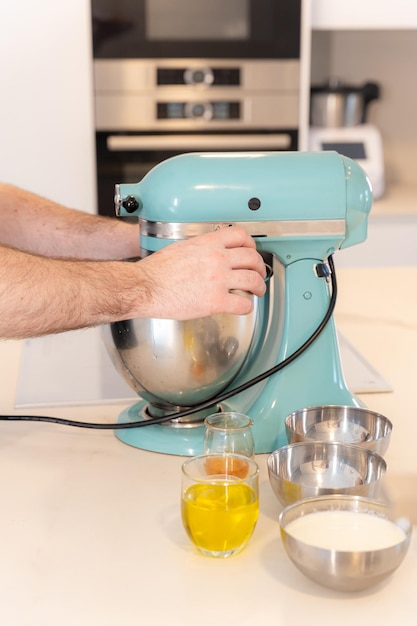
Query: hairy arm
[
  {"x": 41, "y": 295},
  {"x": 185, "y": 280},
  {"x": 34, "y": 224}
]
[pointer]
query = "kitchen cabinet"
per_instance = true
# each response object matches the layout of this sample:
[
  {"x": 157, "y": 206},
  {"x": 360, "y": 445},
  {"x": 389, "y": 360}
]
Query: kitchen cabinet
[
  {"x": 46, "y": 104},
  {"x": 357, "y": 14}
]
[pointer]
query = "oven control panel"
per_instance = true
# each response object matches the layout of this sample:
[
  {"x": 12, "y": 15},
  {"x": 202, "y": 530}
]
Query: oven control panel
[
  {"x": 216, "y": 76},
  {"x": 199, "y": 110},
  {"x": 188, "y": 94}
]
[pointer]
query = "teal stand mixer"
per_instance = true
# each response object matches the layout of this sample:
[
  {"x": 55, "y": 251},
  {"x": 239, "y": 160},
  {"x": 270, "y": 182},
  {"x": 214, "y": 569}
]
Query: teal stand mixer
[{"x": 300, "y": 208}]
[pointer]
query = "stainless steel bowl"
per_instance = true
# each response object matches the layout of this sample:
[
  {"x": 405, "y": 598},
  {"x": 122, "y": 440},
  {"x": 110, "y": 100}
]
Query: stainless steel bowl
[
  {"x": 181, "y": 363},
  {"x": 346, "y": 424},
  {"x": 314, "y": 468},
  {"x": 354, "y": 567}
]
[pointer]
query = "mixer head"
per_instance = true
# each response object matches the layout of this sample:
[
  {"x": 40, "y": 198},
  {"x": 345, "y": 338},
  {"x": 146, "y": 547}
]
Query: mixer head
[{"x": 297, "y": 204}]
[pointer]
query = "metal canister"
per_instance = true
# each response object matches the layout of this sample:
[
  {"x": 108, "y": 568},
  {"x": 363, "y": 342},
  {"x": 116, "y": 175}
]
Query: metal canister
[{"x": 336, "y": 104}]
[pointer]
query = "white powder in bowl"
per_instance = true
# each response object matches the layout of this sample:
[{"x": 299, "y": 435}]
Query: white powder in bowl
[{"x": 346, "y": 531}]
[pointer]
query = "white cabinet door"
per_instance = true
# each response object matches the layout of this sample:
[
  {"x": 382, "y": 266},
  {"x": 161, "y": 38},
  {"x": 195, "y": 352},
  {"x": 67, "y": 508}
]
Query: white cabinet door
[
  {"x": 46, "y": 99},
  {"x": 363, "y": 14}
]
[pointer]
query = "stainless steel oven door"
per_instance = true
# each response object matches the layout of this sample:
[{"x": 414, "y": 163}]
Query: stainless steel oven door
[
  {"x": 127, "y": 157},
  {"x": 232, "y": 29}
]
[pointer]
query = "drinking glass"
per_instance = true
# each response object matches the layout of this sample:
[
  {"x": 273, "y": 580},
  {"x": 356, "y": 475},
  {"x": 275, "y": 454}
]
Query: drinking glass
[
  {"x": 219, "y": 502},
  {"x": 230, "y": 433}
]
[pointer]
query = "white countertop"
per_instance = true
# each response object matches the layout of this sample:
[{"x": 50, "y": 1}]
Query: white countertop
[
  {"x": 91, "y": 532},
  {"x": 399, "y": 201}
]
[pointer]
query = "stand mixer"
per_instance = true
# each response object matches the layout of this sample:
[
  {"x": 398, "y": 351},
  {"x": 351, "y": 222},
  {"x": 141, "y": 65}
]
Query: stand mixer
[{"x": 300, "y": 208}]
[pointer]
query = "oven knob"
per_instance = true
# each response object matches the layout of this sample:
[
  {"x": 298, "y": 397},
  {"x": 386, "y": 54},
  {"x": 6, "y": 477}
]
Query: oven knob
[
  {"x": 199, "y": 110},
  {"x": 200, "y": 76}
]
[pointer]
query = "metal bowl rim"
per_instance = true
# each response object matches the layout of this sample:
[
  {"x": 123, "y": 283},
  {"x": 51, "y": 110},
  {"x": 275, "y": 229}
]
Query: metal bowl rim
[
  {"x": 344, "y": 407},
  {"x": 327, "y": 444},
  {"x": 347, "y": 498}
]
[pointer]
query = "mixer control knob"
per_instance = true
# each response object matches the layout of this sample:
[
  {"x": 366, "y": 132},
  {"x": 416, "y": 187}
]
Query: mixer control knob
[
  {"x": 254, "y": 204},
  {"x": 130, "y": 204}
]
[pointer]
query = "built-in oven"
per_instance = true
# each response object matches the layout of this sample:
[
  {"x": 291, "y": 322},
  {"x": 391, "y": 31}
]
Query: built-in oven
[
  {"x": 173, "y": 76},
  {"x": 241, "y": 29}
]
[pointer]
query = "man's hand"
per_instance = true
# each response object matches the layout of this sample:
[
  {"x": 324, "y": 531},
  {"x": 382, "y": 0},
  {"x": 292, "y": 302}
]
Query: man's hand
[{"x": 200, "y": 276}]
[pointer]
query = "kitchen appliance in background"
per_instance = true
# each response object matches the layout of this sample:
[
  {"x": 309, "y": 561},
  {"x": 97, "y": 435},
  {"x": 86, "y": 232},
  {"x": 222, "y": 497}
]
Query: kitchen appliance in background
[
  {"x": 338, "y": 118},
  {"x": 174, "y": 76}
]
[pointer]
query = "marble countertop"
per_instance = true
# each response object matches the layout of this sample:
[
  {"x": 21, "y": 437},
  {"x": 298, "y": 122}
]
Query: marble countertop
[
  {"x": 91, "y": 530},
  {"x": 398, "y": 201}
]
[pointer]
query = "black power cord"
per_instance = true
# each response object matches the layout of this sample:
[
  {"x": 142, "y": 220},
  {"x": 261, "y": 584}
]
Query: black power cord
[{"x": 208, "y": 403}]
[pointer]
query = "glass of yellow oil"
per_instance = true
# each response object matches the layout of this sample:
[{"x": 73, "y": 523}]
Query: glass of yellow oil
[{"x": 219, "y": 502}]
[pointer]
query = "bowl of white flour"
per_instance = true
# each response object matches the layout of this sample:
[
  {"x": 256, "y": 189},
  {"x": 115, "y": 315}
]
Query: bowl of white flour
[{"x": 346, "y": 543}]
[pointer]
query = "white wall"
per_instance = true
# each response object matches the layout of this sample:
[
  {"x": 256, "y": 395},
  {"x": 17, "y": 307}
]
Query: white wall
[
  {"x": 370, "y": 14},
  {"x": 390, "y": 242},
  {"x": 46, "y": 104},
  {"x": 387, "y": 57}
]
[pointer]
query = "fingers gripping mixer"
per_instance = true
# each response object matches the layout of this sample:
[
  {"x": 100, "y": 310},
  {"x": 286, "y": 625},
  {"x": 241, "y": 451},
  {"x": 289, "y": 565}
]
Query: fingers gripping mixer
[{"x": 300, "y": 208}]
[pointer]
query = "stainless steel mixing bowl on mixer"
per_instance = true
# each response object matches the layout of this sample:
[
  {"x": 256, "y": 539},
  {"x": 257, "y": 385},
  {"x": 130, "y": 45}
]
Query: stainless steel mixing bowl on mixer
[{"x": 173, "y": 363}]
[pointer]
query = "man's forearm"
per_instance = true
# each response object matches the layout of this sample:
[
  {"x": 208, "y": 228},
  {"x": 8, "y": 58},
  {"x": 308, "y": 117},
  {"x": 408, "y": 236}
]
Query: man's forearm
[
  {"x": 193, "y": 278},
  {"x": 34, "y": 224},
  {"x": 45, "y": 295}
]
